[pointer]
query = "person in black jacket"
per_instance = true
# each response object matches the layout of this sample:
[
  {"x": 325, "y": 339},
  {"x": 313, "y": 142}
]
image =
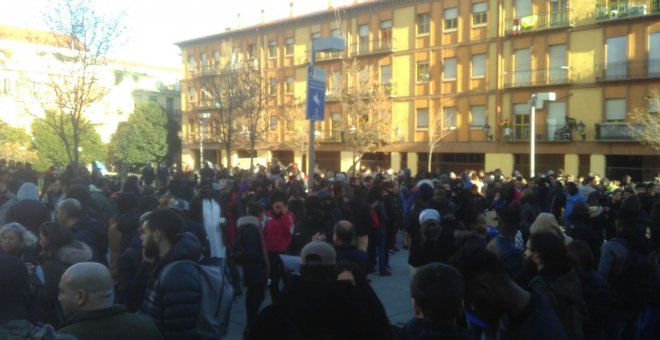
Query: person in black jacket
[
  {"x": 252, "y": 257},
  {"x": 171, "y": 300},
  {"x": 437, "y": 292},
  {"x": 343, "y": 238}
]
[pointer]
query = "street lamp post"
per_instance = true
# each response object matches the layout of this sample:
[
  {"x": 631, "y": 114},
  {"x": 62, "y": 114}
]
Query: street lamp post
[
  {"x": 536, "y": 101},
  {"x": 331, "y": 44}
]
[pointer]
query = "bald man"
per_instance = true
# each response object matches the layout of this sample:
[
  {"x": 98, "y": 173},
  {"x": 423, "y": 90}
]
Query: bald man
[
  {"x": 84, "y": 227},
  {"x": 87, "y": 300},
  {"x": 343, "y": 237}
]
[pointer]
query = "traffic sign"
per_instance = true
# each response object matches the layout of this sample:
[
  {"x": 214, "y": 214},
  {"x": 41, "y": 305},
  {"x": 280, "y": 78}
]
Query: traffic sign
[{"x": 316, "y": 78}]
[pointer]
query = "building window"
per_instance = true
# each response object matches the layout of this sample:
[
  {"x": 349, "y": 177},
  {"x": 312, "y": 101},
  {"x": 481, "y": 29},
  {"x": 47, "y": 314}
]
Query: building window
[
  {"x": 522, "y": 61},
  {"x": 272, "y": 88},
  {"x": 654, "y": 54},
  {"x": 216, "y": 59},
  {"x": 191, "y": 63},
  {"x": 615, "y": 110},
  {"x": 478, "y": 116},
  {"x": 289, "y": 46},
  {"x": 478, "y": 66},
  {"x": 521, "y": 121},
  {"x": 273, "y": 122},
  {"x": 479, "y": 14},
  {"x": 558, "y": 64},
  {"x": 289, "y": 85},
  {"x": 316, "y": 35},
  {"x": 386, "y": 74},
  {"x": 449, "y": 69},
  {"x": 423, "y": 74},
  {"x": 191, "y": 94},
  {"x": 422, "y": 122},
  {"x": 449, "y": 118},
  {"x": 451, "y": 19},
  {"x": 558, "y": 12},
  {"x": 252, "y": 51},
  {"x": 363, "y": 39},
  {"x": 523, "y": 8},
  {"x": 386, "y": 34},
  {"x": 335, "y": 33},
  {"x": 423, "y": 24},
  {"x": 617, "y": 58},
  {"x": 335, "y": 82},
  {"x": 204, "y": 61},
  {"x": 272, "y": 49}
]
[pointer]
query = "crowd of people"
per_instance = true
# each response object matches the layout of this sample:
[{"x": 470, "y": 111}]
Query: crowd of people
[{"x": 88, "y": 256}]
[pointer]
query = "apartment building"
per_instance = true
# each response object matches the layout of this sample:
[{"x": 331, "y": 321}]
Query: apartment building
[{"x": 469, "y": 67}]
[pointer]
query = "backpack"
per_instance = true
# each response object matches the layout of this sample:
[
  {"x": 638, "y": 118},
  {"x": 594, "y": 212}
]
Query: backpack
[
  {"x": 217, "y": 295},
  {"x": 635, "y": 284}
]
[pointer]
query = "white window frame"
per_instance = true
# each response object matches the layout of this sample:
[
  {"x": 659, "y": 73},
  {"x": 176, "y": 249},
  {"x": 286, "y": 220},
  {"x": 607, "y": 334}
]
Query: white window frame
[
  {"x": 418, "y": 74},
  {"x": 289, "y": 46},
  {"x": 449, "y": 15},
  {"x": 478, "y": 9},
  {"x": 453, "y": 117},
  {"x": 447, "y": 65},
  {"x": 272, "y": 49},
  {"x": 615, "y": 109},
  {"x": 426, "y": 25}
]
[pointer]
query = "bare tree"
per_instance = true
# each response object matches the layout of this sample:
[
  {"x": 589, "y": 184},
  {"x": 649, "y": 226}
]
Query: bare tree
[
  {"x": 230, "y": 90},
  {"x": 297, "y": 129},
  {"x": 85, "y": 37},
  {"x": 442, "y": 126},
  {"x": 366, "y": 108},
  {"x": 252, "y": 111},
  {"x": 644, "y": 123}
]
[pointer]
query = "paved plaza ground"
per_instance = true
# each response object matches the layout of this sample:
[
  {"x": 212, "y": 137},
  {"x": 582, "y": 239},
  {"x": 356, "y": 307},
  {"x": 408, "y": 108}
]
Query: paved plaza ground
[{"x": 393, "y": 291}]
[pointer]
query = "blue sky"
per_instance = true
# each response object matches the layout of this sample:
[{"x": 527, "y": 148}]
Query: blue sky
[{"x": 153, "y": 26}]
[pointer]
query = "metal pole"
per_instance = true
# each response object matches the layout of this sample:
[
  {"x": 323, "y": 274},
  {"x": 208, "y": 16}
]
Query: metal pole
[
  {"x": 201, "y": 143},
  {"x": 532, "y": 138},
  {"x": 310, "y": 157}
]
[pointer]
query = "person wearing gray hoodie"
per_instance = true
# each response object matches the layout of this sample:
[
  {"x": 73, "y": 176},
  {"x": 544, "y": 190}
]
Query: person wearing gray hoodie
[{"x": 28, "y": 211}]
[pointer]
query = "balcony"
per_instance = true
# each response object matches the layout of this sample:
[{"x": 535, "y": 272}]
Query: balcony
[
  {"x": 371, "y": 47},
  {"x": 329, "y": 136},
  {"x": 544, "y": 133},
  {"x": 618, "y": 10},
  {"x": 329, "y": 56},
  {"x": 540, "y": 77},
  {"x": 617, "y": 132},
  {"x": 628, "y": 70},
  {"x": 539, "y": 22}
]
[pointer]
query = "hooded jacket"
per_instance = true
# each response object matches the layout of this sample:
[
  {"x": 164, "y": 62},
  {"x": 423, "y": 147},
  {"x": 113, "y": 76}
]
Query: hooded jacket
[
  {"x": 254, "y": 258},
  {"x": 54, "y": 265},
  {"x": 563, "y": 290},
  {"x": 28, "y": 211},
  {"x": 173, "y": 301}
]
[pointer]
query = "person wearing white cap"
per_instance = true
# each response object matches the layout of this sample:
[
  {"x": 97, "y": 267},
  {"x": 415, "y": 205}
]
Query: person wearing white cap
[{"x": 432, "y": 243}]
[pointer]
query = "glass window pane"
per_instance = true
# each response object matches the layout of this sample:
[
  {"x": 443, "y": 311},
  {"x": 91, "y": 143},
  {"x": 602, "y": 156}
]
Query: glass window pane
[
  {"x": 479, "y": 7},
  {"x": 654, "y": 53},
  {"x": 523, "y": 8},
  {"x": 479, "y": 65},
  {"x": 449, "y": 68},
  {"x": 617, "y": 56},
  {"x": 449, "y": 117},
  {"x": 615, "y": 109},
  {"x": 478, "y": 116},
  {"x": 422, "y": 118}
]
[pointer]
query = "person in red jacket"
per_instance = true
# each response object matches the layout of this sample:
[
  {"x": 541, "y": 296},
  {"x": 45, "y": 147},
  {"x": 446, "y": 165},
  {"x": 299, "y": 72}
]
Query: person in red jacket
[{"x": 277, "y": 236}]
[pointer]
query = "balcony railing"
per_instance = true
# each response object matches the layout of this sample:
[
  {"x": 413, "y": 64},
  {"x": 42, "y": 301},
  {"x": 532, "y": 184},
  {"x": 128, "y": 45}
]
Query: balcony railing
[
  {"x": 372, "y": 47},
  {"x": 544, "y": 133},
  {"x": 330, "y": 136},
  {"x": 621, "y": 132},
  {"x": 626, "y": 70},
  {"x": 539, "y": 21},
  {"x": 328, "y": 56},
  {"x": 387, "y": 89},
  {"x": 540, "y": 77},
  {"x": 615, "y": 10}
]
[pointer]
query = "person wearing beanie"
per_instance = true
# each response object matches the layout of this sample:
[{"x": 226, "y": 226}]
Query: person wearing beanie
[
  {"x": 318, "y": 306},
  {"x": 431, "y": 243}
]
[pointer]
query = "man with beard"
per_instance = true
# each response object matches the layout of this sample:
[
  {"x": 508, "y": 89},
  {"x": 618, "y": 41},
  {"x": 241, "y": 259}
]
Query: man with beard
[{"x": 171, "y": 300}]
